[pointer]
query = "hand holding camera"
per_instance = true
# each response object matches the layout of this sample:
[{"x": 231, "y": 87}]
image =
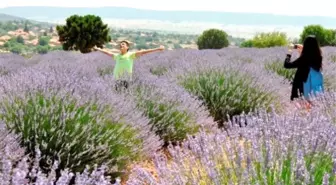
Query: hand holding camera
[{"x": 298, "y": 47}]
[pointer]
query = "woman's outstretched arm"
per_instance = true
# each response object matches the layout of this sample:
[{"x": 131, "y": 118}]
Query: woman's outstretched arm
[
  {"x": 104, "y": 51},
  {"x": 140, "y": 53}
]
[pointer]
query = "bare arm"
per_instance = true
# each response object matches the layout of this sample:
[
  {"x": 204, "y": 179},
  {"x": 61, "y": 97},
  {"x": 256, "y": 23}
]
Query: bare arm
[
  {"x": 105, "y": 52},
  {"x": 140, "y": 53}
]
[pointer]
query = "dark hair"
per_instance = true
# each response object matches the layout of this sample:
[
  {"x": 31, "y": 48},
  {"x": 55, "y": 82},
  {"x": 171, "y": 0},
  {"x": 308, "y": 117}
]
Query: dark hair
[
  {"x": 128, "y": 45},
  {"x": 125, "y": 43},
  {"x": 311, "y": 52}
]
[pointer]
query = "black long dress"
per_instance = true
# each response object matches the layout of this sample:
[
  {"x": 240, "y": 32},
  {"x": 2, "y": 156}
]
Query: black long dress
[{"x": 303, "y": 66}]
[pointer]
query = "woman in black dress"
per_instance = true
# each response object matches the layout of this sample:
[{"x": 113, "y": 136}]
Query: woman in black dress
[{"x": 310, "y": 57}]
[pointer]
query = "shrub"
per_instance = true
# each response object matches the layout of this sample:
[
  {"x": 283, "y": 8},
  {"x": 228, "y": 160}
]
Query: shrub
[
  {"x": 44, "y": 41},
  {"x": 274, "y": 150},
  {"x": 173, "y": 114},
  {"x": 10, "y": 63},
  {"x": 278, "y": 68},
  {"x": 56, "y": 48},
  {"x": 105, "y": 71},
  {"x": 83, "y": 33},
  {"x": 322, "y": 35},
  {"x": 226, "y": 93},
  {"x": 177, "y": 46},
  {"x": 42, "y": 49},
  {"x": 74, "y": 62},
  {"x": 247, "y": 44},
  {"x": 167, "y": 122},
  {"x": 159, "y": 64},
  {"x": 266, "y": 40},
  {"x": 10, "y": 148},
  {"x": 331, "y": 37},
  {"x": 213, "y": 39},
  {"x": 158, "y": 70},
  {"x": 77, "y": 135},
  {"x": 17, "y": 169},
  {"x": 19, "y": 39},
  {"x": 21, "y": 171},
  {"x": 17, "y": 49},
  {"x": 79, "y": 126},
  {"x": 326, "y": 105}
]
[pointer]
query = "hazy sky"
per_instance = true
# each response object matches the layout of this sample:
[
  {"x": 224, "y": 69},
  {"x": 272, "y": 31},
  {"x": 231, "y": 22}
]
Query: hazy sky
[{"x": 287, "y": 7}]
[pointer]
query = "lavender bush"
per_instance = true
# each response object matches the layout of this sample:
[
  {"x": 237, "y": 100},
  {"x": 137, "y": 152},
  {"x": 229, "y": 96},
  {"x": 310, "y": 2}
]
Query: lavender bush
[
  {"x": 16, "y": 168},
  {"x": 9, "y": 63},
  {"x": 159, "y": 65},
  {"x": 278, "y": 68},
  {"x": 22, "y": 172},
  {"x": 326, "y": 105},
  {"x": 56, "y": 121},
  {"x": 73, "y": 121},
  {"x": 90, "y": 65},
  {"x": 9, "y": 146},
  {"x": 231, "y": 74},
  {"x": 226, "y": 93},
  {"x": 272, "y": 149},
  {"x": 173, "y": 113}
]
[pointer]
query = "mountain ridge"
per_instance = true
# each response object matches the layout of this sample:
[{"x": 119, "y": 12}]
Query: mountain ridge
[
  {"x": 234, "y": 18},
  {"x": 6, "y": 17}
]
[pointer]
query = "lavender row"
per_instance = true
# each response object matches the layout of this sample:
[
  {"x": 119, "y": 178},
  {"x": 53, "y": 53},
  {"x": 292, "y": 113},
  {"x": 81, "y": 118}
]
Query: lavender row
[
  {"x": 272, "y": 149},
  {"x": 74, "y": 120}
]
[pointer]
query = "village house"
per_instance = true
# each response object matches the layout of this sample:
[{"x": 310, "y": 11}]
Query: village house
[
  {"x": 33, "y": 42},
  {"x": 5, "y": 38},
  {"x": 54, "y": 41}
]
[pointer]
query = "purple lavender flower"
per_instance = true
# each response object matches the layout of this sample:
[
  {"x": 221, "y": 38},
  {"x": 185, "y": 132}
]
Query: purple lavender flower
[
  {"x": 73, "y": 120},
  {"x": 174, "y": 114},
  {"x": 45, "y": 97},
  {"x": 273, "y": 149},
  {"x": 9, "y": 63}
]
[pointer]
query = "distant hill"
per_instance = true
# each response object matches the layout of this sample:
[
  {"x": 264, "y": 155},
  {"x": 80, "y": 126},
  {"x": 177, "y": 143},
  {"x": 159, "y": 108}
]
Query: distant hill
[
  {"x": 60, "y": 13},
  {"x": 5, "y": 17}
]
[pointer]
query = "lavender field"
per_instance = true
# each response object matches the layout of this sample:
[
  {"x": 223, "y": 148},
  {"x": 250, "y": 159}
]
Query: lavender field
[{"x": 207, "y": 117}]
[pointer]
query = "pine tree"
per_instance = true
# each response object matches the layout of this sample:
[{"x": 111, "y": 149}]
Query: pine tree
[
  {"x": 26, "y": 29},
  {"x": 51, "y": 30},
  {"x": 83, "y": 33}
]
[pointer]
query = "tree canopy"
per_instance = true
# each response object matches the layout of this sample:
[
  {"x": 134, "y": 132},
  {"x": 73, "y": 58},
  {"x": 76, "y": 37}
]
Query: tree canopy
[
  {"x": 266, "y": 40},
  {"x": 83, "y": 33},
  {"x": 326, "y": 37},
  {"x": 213, "y": 39}
]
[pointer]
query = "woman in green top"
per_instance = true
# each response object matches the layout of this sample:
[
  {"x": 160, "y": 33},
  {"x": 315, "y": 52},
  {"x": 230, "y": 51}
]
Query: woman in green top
[{"x": 124, "y": 61}]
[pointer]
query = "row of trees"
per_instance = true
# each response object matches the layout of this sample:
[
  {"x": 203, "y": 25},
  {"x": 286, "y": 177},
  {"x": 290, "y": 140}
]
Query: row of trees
[
  {"x": 216, "y": 39},
  {"x": 84, "y": 32}
]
